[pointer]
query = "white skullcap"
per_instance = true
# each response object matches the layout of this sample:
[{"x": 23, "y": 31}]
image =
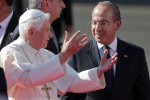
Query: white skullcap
[{"x": 32, "y": 14}]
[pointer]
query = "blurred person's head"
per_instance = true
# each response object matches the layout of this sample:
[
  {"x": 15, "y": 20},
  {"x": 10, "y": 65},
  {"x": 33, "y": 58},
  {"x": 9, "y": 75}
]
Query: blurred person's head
[
  {"x": 106, "y": 20},
  {"x": 53, "y": 7},
  {"x": 9, "y": 2},
  {"x": 5, "y": 8},
  {"x": 6, "y": 4},
  {"x": 34, "y": 28}
]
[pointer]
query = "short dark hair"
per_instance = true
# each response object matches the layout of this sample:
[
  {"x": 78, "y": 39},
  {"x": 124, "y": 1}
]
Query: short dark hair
[{"x": 9, "y": 2}]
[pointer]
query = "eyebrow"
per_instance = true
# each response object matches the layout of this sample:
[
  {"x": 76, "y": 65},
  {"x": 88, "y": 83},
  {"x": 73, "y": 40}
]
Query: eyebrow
[{"x": 101, "y": 20}]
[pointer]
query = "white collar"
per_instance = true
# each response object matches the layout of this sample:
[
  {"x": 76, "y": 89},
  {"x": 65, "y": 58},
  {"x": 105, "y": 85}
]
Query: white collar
[
  {"x": 26, "y": 46},
  {"x": 113, "y": 45}
]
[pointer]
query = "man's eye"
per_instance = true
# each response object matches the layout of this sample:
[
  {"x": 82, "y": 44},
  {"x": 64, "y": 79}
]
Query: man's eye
[{"x": 104, "y": 24}]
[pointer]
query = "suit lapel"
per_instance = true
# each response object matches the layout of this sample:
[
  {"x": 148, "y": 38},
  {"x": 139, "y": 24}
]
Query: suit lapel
[
  {"x": 10, "y": 28},
  {"x": 93, "y": 54}
]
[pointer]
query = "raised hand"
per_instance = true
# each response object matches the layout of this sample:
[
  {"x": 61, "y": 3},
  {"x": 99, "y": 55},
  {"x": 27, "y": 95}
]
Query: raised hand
[
  {"x": 72, "y": 45},
  {"x": 106, "y": 64}
]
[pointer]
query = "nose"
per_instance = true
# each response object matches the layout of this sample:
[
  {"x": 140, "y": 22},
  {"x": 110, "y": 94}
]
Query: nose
[
  {"x": 63, "y": 5},
  {"x": 98, "y": 27},
  {"x": 50, "y": 35}
]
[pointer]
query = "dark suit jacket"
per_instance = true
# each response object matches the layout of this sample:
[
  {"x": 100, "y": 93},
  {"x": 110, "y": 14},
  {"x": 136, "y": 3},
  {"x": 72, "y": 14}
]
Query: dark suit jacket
[
  {"x": 3, "y": 86},
  {"x": 10, "y": 28},
  {"x": 64, "y": 20},
  {"x": 132, "y": 80}
]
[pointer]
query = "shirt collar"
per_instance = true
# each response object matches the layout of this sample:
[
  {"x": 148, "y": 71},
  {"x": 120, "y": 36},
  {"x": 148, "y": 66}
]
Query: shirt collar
[
  {"x": 26, "y": 46},
  {"x": 5, "y": 22},
  {"x": 113, "y": 45}
]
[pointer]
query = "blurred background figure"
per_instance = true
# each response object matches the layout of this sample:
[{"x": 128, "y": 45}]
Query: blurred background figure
[
  {"x": 20, "y": 6},
  {"x": 65, "y": 22},
  {"x": 8, "y": 22},
  {"x": 3, "y": 86}
]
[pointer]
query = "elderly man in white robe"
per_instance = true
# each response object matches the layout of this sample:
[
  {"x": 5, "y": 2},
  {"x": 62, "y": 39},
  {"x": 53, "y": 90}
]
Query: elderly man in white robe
[{"x": 33, "y": 73}]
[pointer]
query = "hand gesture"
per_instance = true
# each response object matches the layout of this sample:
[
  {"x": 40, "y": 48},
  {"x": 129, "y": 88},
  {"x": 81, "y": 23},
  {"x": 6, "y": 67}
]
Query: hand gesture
[
  {"x": 106, "y": 64},
  {"x": 72, "y": 45}
]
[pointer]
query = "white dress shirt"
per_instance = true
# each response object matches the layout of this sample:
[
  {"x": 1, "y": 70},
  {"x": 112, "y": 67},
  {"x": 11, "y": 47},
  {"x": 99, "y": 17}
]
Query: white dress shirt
[{"x": 27, "y": 70}]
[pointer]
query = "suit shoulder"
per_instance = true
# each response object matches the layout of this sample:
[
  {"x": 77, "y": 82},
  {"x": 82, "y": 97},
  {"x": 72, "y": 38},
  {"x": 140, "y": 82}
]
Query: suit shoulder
[
  {"x": 87, "y": 47},
  {"x": 130, "y": 46}
]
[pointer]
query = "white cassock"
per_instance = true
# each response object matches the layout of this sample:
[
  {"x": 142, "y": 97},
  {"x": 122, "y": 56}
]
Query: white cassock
[{"x": 27, "y": 70}]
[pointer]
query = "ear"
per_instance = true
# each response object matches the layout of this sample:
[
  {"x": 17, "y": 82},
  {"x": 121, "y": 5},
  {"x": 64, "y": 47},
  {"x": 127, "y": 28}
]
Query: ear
[
  {"x": 44, "y": 6},
  {"x": 30, "y": 32},
  {"x": 44, "y": 3},
  {"x": 118, "y": 24}
]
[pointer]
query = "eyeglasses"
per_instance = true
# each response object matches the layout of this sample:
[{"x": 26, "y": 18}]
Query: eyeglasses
[{"x": 103, "y": 24}]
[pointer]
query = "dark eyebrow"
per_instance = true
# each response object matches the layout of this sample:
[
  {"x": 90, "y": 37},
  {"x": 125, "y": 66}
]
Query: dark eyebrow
[{"x": 102, "y": 21}]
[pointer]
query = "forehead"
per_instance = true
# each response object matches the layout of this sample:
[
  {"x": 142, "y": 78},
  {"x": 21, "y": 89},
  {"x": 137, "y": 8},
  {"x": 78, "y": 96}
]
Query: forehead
[{"x": 102, "y": 12}]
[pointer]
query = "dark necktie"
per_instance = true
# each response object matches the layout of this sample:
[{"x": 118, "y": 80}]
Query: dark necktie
[{"x": 109, "y": 75}]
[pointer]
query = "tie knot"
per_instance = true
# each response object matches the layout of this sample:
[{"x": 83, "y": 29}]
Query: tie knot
[{"x": 108, "y": 48}]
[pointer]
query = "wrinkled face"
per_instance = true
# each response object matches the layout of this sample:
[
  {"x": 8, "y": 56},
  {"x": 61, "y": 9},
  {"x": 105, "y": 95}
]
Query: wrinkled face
[
  {"x": 40, "y": 37},
  {"x": 55, "y": 8},
  {"x": 104, "y": 25}
]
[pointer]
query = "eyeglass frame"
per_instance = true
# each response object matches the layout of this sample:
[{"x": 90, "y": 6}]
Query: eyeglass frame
[{"x": 103, "y": 24}]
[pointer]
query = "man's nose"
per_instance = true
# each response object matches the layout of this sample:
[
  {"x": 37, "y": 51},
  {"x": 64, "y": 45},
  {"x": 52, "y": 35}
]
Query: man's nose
[
  {"x": 50, "y": 34},
  {"x": 99, "y": 27},
  {"x": 63, "y": 5}
]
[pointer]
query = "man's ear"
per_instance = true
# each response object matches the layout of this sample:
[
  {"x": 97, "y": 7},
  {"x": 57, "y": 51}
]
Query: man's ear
[
  {"x": 30, "y": 32},
  {"x": 44, "y": 3},
  {"x": 118, "y": 25}
]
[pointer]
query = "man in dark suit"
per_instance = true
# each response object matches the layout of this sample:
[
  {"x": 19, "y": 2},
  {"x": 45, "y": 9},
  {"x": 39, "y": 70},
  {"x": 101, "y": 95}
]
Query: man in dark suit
[
  {"x": 129, "y": 79},
  {"x": 3, "y": 86},
  {"x": 8, "y": 22},
  {"x": 65, "y": 21}
]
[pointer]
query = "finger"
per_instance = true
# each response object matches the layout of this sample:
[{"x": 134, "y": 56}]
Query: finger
[
  {"x": 66, "y": 37},
  {"x": 115, "y": 55},
  {"x": 82, "y": 40},
  {"x": 104, "y": 57},
  {"x": 73, "y": 38},
  {"x": 113, "y": 61}
]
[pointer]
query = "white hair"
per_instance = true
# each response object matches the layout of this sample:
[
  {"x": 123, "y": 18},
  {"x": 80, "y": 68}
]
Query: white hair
[
  {"x": 32, "y": 19},
  {"x": 34, "y": 4}
]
